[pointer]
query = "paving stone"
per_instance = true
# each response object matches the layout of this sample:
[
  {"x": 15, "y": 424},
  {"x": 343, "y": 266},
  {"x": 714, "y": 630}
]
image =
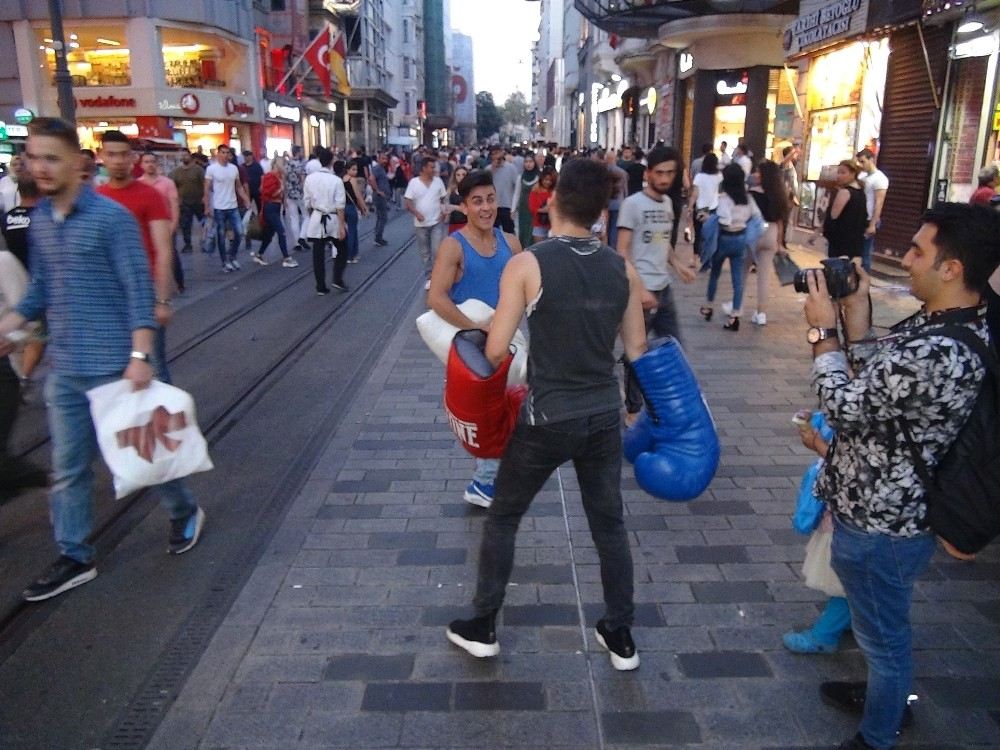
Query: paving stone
[
  {"x": 541, "y": 614},
  {"x": 368, "y": 667},
  {"x": 720, "y": 592},
  {"x": 724, "y": 664},
  {"x": 499, "y": 696},
  {"x": 348, "y": 511},
  {"x": 714, "y": 554},
  {"x": 407, "y": 696},
  {"x": 651, "y": 727},
  {"x": 989, "y": 610},
  {"x": 402, "y": 540},
  {"x": 646, "y": 615},
  {"x": 432, "y": 557},
  {"x": 361, "y": 485},
  {"x": 542, "y": 574}
]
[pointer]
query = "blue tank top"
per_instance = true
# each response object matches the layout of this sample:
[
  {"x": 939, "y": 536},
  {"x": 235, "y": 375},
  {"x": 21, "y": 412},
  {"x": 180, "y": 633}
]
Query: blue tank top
[{"x": 481, "y": 276}]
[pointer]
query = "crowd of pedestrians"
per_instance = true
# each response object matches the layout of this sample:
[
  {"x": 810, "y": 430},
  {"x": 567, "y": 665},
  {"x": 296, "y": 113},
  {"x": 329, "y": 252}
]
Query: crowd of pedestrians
[{"x": 585, "y": 242}]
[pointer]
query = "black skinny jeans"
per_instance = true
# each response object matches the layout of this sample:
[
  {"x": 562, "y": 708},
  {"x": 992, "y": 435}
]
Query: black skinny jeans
[
  {"x": 594, "y": 445},
  {"x": 319, "y": 248}
]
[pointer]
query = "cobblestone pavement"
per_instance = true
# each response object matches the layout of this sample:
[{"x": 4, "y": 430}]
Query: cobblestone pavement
[{"x": 338, "y": 638}]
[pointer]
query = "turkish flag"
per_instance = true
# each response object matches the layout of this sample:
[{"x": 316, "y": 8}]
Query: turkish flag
[{"x": 318, "y": 55}]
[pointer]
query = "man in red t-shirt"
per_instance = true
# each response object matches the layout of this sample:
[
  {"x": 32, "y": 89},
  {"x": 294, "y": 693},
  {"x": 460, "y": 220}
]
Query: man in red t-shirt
[{"x": 152, "y": 213}]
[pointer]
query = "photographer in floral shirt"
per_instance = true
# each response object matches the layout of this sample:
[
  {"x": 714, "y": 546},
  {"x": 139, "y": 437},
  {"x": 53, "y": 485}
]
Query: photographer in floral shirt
[{"x": 881, "y": 541}]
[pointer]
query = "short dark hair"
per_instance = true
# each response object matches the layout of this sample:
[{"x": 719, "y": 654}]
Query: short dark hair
[
  {"x": 971, "y": 235},
  {"x": 339, "y": 167},
  {"x": 27, "y": 187},
  {"x": 324, "y": 155},
  {"x": 865, "y": 152},
  {"x": 661, "y": 154},
  {"x": 710, "y": 164},
  {"x": 114, "y": 136},
  {"x": 475, "y": 178},
  {"x": 425, "y": 161},
  {"x": 89, "y": 153},
  {"x": 706, "y": 148},
  {"x": 146, "y": 153},
  {"x": 54, "y": 127},
  {"x": 583, "y": 191}
]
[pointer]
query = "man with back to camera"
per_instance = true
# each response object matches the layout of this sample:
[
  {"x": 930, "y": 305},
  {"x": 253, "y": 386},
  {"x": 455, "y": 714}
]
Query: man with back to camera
[
  {"x": 91, "y": 278},
  {"x": 426, "y": 198},
  {"x": 645, "y": 222},
  {"x": 378, "y": 179},
  {"x": 224, "y": 193},
  {"x": 876, "y": 186},
  {"x": 633, "y": 168},
  {"x": 913, "y": 378},
  {"x": 468, "y": 266},
  {"x": 591, "y": 295},
  {"x": 325, "y": 200}
]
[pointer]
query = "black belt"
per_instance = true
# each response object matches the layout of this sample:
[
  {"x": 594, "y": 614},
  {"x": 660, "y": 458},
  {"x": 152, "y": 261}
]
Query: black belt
[{"x": 729, "y": 231}]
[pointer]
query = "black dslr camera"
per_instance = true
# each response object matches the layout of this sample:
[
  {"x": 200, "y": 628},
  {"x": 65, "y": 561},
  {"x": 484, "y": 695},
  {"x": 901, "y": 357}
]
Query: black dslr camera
[{"x": 841, "y": 278}]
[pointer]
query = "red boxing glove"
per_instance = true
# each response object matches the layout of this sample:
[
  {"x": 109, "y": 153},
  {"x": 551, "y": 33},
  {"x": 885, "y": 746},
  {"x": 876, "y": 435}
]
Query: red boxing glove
[{"x": 482, "y": 410}]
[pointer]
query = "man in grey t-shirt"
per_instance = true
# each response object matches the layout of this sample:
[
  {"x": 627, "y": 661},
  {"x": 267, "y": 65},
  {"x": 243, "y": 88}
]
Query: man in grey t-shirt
[
  {"x": 644, "y": 224},
  {"x": 505, "y": 177}
]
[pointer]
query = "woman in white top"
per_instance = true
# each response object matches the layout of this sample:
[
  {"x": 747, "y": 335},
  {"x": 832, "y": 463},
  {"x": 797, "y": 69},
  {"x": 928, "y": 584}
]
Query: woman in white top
[
  {"x": 735, "y": 209},
  {"x": 703, "y": 197}
]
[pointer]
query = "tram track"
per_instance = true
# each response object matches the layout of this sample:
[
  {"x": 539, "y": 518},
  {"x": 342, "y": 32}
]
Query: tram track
[{"x": 16, "y": 621}]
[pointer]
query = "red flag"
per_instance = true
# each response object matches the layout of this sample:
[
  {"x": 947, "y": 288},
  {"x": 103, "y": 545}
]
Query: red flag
[
  {"x": 338, "y": 65},
  {"x": 318, "y": 55}
]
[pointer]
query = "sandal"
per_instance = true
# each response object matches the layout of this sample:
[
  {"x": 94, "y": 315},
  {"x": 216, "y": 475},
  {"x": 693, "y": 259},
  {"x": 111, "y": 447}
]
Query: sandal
[{"x": 706, "y": 312}]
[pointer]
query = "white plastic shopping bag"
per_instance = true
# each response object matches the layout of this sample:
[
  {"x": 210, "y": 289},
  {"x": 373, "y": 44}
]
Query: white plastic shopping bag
[
  {"x": 147, "y": 437},
  {"x": 438, "y": 334}
]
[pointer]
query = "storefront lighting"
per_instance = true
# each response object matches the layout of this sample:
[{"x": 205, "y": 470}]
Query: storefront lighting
[
  {"x": 109, "y": 42},
  {"x": 182, "y": 49},
  {"x": 971, "y": 23},
  {"x": 109, "y": 52},
  {"x": 314, "y": 121},
  {"x": 74, "y": 37},
  {"x": 332, "y": 106},
  {"x": 615, "y": 77}
]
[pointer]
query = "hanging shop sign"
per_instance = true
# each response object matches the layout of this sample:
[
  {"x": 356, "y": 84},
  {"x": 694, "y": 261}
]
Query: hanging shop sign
[
  {"x": 649, "y": 101},
  {"x": 236, "y": 107},
  {"x": 23, "y": 116},
  {"x": 821, "y": 22},
  {"x": 731, "y": 88},
  {"x": 685, "y": 63},
  {"x": 280, "y": 112}
]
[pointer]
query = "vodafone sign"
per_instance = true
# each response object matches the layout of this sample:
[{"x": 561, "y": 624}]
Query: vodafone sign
[{"x": 234, "y": 107}]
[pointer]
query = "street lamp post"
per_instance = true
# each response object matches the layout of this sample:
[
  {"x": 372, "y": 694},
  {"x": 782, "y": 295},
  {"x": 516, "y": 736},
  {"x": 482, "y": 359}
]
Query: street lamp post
[{"x": 64, "y": 84}]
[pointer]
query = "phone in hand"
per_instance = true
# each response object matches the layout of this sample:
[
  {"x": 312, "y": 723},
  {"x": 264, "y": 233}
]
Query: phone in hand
[{"x": 801, "y": 417}]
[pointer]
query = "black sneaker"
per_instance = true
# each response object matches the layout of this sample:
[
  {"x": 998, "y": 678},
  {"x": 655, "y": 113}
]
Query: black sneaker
[
  {"x": 184, "y": 532},
  {"x": 322, "y": 292},
  {"x": 478, "y": 636},
  {"x": 65, "y": 574},
  {"x": 850, "y": 698},
  {"x": 381, "y": 243},
  {"x": 619, "y": 645},
  {"x": 857, "y": 742}
]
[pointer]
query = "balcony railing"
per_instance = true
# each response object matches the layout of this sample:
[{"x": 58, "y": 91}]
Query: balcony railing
[{"x": 642, "y": 18}]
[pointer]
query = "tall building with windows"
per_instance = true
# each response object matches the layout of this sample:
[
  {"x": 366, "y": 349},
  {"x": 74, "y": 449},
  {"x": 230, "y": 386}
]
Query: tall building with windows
[
  {"x": 463, "y": 88},
  {"x": 406, "y": 58}
]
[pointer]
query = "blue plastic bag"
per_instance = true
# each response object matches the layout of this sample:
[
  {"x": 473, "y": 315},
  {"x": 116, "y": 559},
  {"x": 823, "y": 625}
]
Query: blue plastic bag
[{"x": 808, "y": 508}]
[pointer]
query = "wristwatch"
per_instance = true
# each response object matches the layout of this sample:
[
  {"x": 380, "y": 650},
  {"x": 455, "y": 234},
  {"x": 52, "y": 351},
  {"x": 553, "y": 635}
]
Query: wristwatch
[
  {"x": 141, "y": 356},
  {"x": 814, "y": 335}
]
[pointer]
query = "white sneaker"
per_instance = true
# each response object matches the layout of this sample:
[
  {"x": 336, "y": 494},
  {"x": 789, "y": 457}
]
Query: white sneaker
[
  {"x": 427, "y": 285},
  {"x": 258, "y": 260},
  {"x": 228, "y": 268},
  {"x": 727, "y": 308},
  {"x": 759, "y": 318},
  {"x": 290, "y": 263},
  {"x": 235, "y": 264}
]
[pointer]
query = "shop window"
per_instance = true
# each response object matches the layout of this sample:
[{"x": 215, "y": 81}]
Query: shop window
[
  {"x": 406, "y": 30},
  {"x": 781, "y": 87},
  {"x": 196, "y": 60},
  {"x": 96, "y": 57}
]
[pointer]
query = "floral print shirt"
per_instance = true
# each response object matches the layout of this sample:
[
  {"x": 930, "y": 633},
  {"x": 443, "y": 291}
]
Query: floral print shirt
[
  {"x": 931, "y": 382},
  {"x": 295, "y": 176}
]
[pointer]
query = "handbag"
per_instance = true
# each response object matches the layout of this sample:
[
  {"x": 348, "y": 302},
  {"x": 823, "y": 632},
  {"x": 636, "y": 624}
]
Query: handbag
[
  {"x": 786, "y": 268},
  {"x": 254, "y": 226}
]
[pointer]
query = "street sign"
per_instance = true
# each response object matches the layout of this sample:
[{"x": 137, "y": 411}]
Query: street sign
[{"x": 23, "y": 116}]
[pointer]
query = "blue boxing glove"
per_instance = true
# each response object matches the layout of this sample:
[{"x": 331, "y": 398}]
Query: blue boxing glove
[{"x": 673, "y": 444}]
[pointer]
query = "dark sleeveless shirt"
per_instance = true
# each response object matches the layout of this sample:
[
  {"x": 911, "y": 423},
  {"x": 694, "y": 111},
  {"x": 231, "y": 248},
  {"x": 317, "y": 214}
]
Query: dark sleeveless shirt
[
  {"x": 573, "y": 327},
  {"x": 846, "y": 233}
]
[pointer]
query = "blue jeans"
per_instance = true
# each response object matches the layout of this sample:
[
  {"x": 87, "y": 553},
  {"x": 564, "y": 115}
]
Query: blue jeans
[
  {"x": 159, "y": 358},
  {"x": 381, "y": 216},
  {"x": 74, "y": 445},
  {"x": 594, "y": 445},
  {"x": 833, "y": 621},
  {"x": 733, "y": 247},
  {"x": 427, "y": 240},
  {"x": 230, "y": 217},
  {"x": 868, "y": 248},
  {"x": 273, "y": 225},
  {"x": 351, "y": 214},
  {"x": 878, "y": 572},
  {"x": 486, "y": 470}
]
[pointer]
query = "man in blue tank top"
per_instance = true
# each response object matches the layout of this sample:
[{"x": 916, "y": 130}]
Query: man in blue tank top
[
  {"x": 578, "y": 295},
  {"x": 468, "y": 266}
]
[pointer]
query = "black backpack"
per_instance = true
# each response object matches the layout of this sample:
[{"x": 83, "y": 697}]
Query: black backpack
[{"x": 963, "y": 495}]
